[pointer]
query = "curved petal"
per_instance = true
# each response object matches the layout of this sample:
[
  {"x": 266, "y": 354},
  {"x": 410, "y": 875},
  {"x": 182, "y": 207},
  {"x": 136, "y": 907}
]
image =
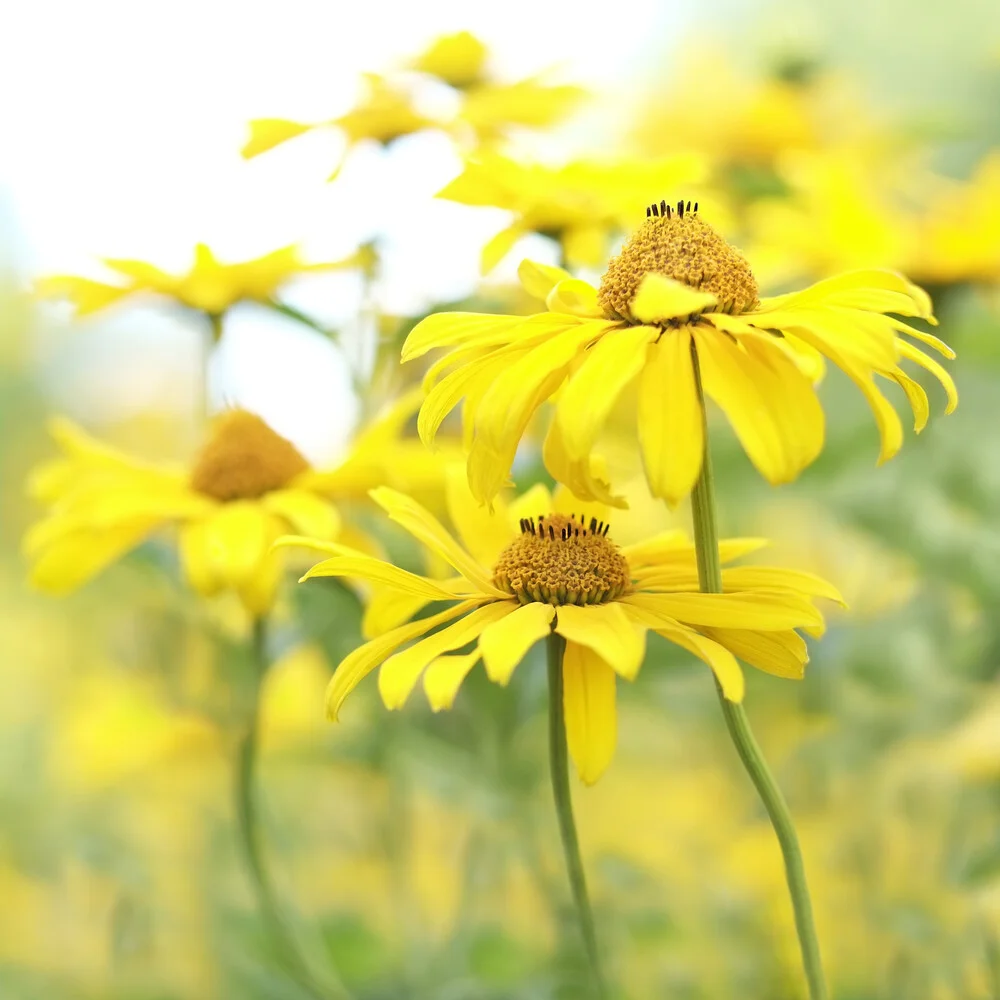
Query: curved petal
[
  {"x": 782, "y": 654},
  {"x": 236, "y": 538},
  {"x": 504, "y": 643},
  {"x": 661, "y": 298},
  {"x": 427, "y": 529},
  {"x": 449, "y": 329},
  {"x": 671, "y": 422},
  {"x": 266, "y": 133},
  {"x": 539, "y": 279},
  {"x": 363, "y": 660},
  {"x": 607, "y": 630},
  {"x": 377, "y": 571},
  {"x": 594, "y": 388},
  {"x": 779, "y": 578},
  {"x": 914, "y": 354},
  {"x": 590, "y": 711},
  {"x": 388, "y": 608},
  {"x": 443, "y": 677},
  {"x": 574, "y": 297},
  {"x": 401, "y": 671},
  {"x": 484, "y": 533},
  {"x": 307, "y": 513},
  {"x": 915, "y": 396},
  {"x": 771, "y": 612},
  {"x": 586, "y": 479}
]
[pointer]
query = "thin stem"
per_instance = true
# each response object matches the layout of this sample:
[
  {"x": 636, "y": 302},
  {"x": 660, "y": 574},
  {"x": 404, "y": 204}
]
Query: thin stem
[
  {"x": 706, "y": 539},
  {"x": 559, "y": 766},
  {"x": 300, "y": 317},
  {"x": 248, "y": 824}
]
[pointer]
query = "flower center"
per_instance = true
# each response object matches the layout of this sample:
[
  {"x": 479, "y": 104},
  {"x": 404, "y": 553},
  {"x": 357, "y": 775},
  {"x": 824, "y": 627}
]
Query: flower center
[
  {"x": 676, "y": 243},
  {"x": 560, "y": 560},
  {"x": 244, "y": 459}
]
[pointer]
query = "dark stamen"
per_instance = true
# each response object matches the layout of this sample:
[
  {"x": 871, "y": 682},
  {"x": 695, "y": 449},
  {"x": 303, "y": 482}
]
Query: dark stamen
[
  {"x": 656, "y": 210},
  {"x": 663, "y": 207},
  {"x": 593, "y": 524},
  {"x": 605, "y": 532},
  {"x": 680, "y": 209},
  {"x": 668, "y": 212},
  {"x": 552, "y": 533},
  {"x": 689, "y": 206},
  {"x": 649, "y": 211},
  {"x": 696, "y": 208}
]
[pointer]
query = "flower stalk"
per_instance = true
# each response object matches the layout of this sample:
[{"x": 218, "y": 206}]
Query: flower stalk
[
  {"x": 706, "y": 536},
  {"x": 559, "y": 769},
  {"x": 248, "y": 824}
]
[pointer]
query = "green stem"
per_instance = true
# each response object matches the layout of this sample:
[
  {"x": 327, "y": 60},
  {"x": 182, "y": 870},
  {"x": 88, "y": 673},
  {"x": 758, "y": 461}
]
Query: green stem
[
  {"x": 248, "y": 824},
  {"x": 559, "y": 766},
  {"x": 300, "y": 317},
  {"x": 706, "y": 539}
]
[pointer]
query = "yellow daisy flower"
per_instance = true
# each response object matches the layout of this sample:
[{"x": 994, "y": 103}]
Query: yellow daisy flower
[
  {"x": 208, "y": 286},
  {"x": 530, "y": 569},
  {"x": 246, "y": 487},
  {"x": 581, "y": 205},
  {"x": 385, "y": 112},
  {"x": 458, "y": 59},
  {"x": 676, "y": 297}
]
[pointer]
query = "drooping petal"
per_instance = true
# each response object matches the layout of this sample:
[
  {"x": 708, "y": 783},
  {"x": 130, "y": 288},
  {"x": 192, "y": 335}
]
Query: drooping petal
[
  {"x": 236, "y": 538},
  {"x": 590, "y": 711},
  {"x": 196, "y": 560},
  {"x": 506, "y": 642},
  {"x": 916, "y": 396},
  {"x": 427, "y": 529},
  {"x": 363, "y": 660},
  {"x": 886, "y": 418},
  {"x": 671, "y": 431},
  {"x": 401, "y": 671},
  {"x": 914, "y": 354},
  {"x": 782, "y": 654},
  {"x": 497, "y": 247},
  {"x": 387, "y": 608},
  {"x": 767, "y": 612},
  {"x": 660, "y": 298},
  {"x": 586, "y": 478},
  {"x": 575, "y": 298},
  {"x": 593, "y": 389},
  {"x": 484, "y": 533},
  {"x": 443, "y": 677},
  {"x": 607, "y": 630}
]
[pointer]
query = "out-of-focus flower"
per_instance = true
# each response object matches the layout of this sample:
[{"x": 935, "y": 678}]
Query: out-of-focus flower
[
  {"x": 676, "y": 297},
  {"x": 732, "y": 117},
  {"x": 246, "y": 487},
  {"x": 581, "y": 205},
  {"x": 384, "y": 113},
  {"x": 959, "y": 235},
  {"x": 209, "y": 286},
  {"x": 528, "y": 569},
  {"x": 491, "y": 109},
  {"x": 458, "y": 59},
  {"x": 845, "y": 209}
]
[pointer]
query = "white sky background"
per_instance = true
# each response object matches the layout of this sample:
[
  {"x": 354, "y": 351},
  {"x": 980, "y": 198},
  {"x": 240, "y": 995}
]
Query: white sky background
[{"x": 122, "y": 124}]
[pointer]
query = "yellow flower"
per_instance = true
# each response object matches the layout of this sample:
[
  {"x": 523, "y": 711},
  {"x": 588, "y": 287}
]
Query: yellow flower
[
  {"x": 490, "y": 109},
  {"x": 209, "y": 286},
  {"x": 458, "y": 59},
  {"x": 384, "y": 113},
  {"x": 246, "y": 487},
  {"x": 676, "y": 296},
  {"x": 580, "y": 205},
  {"x": 530, "y": 569}
]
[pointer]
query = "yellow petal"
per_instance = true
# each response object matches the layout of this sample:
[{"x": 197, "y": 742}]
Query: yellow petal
[
  {"x": 504, "y": 644},
  {"x": 387, "y": 609},
  {"x": 266, "y": 133},
  {"x": 196, "y": 560},
  {"x": 782, "y": 654},
  {"x": 484, "y": 533},
  {"x": 363, "y": 660},
  {"x": 449, "y": 329},
  {"x": 916, "y": 397},
  {"x": 534, "y": 501},
  {"x": 886, "y": 418},
  {"x": 86, "y": 295},
  {"x": 590, "y": 711},
  {"x": 586, "y": 478},
  {"x": 779, "y": 578},
  {"x": 907, "y": 350},
  {"x": 236, "y": 538},
  {"x": 304, "y": 511},
  {"x": 575, "y": 297},
  {"x": 539, "y": 279},
  {"x": 767, "y": 612},
  {"x": 401, "y": 672},
  {"x": 586, "y": 245},
  {"x": 377, "y": 571},
  {"x": 592, "y": 391},
  {"x": 443, "y": 677},
  {"x": 498, "y": 247},
  {"x": 671, "y": 423},
  {"x": 660, "y": 298},
  {"x": 427, "y": 529},
  {"x": 258, "y": 592},
  {"x": 721, "y": 660},
  {"x": 674, "y": 546},
  {"x": 607, "y": 630}
]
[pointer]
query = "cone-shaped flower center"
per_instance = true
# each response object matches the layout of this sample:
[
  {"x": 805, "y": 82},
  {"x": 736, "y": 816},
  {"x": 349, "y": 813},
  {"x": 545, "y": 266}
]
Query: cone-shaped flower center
[
  {"x": 673, "y": 241},
  {"x": 560, "y": 560},
  {"x": 244, "y": 459}
]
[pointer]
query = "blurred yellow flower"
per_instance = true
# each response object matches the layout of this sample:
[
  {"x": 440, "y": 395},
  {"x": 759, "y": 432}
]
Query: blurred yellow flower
[
  {"x": 959, "y": 236},
  {"x": 246, "y": 487},
  {"x": 458, "y": 59},
  {"x": 676, "y": 297},
  {"x": 581, "y": 205},
  {"x": 490, "y": 109},
  {"x": 529, "y": 569},
  {"x": 385, "y": 112},
  {"x": 209, "y": 286}
]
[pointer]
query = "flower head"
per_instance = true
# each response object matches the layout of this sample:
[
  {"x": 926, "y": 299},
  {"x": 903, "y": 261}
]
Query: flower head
[
  {"x": 247, "y": 486},
  {"x": 581, "y": 205},
  {"x": 208, "y": 286},
  {"x": 676, "y": 314},
  {"x": 531, "y": 568}
]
